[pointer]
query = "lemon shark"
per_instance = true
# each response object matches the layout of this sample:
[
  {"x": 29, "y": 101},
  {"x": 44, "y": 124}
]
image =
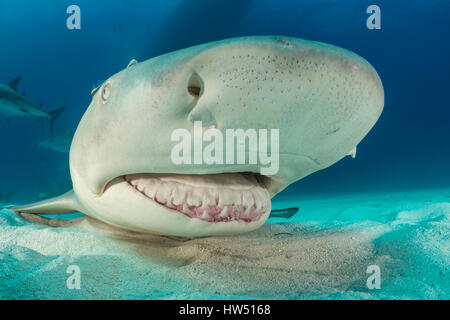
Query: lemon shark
[
  {"x": 12, "y": 103},
  {"x": 322, "y": 98}
]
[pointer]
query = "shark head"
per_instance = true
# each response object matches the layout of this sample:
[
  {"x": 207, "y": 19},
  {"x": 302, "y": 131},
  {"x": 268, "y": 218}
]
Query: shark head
[{"x": 321, "y": 101}]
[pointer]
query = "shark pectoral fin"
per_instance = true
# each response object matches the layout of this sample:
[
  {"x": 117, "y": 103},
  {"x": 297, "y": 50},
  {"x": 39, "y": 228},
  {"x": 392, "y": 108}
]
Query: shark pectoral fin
[
  {"x": 65, "y": 203},
  {"x": 52, "y": 222},
  {"x": 283, "y": 213}
]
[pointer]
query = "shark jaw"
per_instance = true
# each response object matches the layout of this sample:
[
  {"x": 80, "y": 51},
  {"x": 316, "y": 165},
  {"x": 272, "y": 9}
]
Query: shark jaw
[{"x": 212, "y": 198}]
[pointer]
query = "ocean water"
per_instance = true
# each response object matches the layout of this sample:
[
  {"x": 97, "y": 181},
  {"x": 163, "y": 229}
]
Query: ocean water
[{"x": 388, "y": 208}]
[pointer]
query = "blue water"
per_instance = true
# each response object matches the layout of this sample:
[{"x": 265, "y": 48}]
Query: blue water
[{"x": 393, "y": 199}]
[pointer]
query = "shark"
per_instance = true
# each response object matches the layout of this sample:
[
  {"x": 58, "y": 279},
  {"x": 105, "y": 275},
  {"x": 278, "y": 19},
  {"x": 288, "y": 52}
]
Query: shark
[
  {"x": 12, "y": 103},
  {"x": 59, "y": 143},
  {"x": 323, "y": 99}
]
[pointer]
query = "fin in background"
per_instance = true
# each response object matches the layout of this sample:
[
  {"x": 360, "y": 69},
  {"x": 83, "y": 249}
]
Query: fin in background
[
  {"x": 283, "y": 213},
  {"x": 54, "y": 115}
]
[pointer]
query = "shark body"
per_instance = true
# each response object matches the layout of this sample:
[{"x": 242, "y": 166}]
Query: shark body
[
  {"x": 14, "y": 104},
  {"x": 322, "y": 98}
]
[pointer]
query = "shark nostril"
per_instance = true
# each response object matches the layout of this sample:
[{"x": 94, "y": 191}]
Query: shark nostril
[
  {"x": 195, "y": 85},
  {"x": 195, "y": 91}
]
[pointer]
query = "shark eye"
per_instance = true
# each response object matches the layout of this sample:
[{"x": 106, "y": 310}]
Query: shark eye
[{"x": 106, "y": 92}]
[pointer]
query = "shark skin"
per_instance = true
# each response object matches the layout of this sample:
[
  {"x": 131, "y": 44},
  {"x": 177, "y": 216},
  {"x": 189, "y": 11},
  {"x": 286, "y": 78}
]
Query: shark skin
[
  {"x": 322, "y": 98},
  {"x": 14, "y": 104}
]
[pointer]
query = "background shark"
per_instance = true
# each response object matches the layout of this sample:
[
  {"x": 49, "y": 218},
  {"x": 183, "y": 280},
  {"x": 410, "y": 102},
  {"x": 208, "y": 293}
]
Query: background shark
[
  {"x": 13, "y": 103},
  {"x": 59, "y": 143}
]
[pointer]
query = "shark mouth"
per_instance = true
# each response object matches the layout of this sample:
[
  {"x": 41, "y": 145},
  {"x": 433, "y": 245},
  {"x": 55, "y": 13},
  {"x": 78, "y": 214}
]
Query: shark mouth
[{"x": 213, "y": 197}]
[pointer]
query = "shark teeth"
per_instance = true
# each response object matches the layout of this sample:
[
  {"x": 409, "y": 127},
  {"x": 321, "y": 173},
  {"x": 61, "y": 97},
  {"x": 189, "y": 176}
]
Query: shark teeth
[
  {"x": 224, "y": 212},
  {"x": 205, "y": 215},
  {"x": 227, "y": 200},
  {"x": 247, "y": 212},
  {"x": 186, "y": 209}
]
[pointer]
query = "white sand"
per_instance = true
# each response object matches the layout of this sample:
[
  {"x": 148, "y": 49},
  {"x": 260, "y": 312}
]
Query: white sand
[{"x": 322, "y": 252}]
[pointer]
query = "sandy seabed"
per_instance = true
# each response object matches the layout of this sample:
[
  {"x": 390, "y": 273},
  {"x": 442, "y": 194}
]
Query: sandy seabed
[{"x": 320, "y": 253}]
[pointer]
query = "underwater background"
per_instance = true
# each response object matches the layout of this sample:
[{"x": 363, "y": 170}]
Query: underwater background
[{"x": 389, "y": 207}]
